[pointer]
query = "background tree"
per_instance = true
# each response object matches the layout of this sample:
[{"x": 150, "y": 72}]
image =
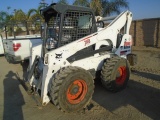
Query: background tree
[
  {"x": 85, "y": 3},
  {"x": 52, "y": 1},
  {"x": 34, "y": 14},
  {"x": 96, "y": 5},
  {"x": 3, "y": 16},
  {"x": 113, "y": 6},
  {"x": 43, "y": 4},
  {"x": 18, "y": 20},
  {"x": 35, "y": 17},
  {"x": 29, "y": 19},
  {"x": 63, "y": 2},
  {"x": 19, "y": 15},
  {"x": 103, "y": 7},
  {"x": 8, "y": 8}
]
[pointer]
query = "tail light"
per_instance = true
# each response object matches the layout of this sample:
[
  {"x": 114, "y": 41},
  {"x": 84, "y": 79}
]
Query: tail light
[{"x": 16, "y": 46}]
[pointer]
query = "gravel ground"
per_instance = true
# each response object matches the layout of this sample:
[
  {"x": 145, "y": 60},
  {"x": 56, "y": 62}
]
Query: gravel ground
[{"x": 139, "y": 101}]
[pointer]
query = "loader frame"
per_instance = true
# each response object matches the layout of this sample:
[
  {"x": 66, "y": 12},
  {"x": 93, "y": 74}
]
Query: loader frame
[{"x": 88, "y": 51}]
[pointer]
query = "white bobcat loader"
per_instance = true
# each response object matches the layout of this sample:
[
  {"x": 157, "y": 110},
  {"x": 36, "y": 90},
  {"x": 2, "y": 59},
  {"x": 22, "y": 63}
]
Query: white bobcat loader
[{"x": 64, "y": 72}]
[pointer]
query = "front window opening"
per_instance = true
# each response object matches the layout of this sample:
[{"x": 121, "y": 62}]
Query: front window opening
[
  {"x": 76, "y": 25},
  {"x": 52, "y": 32}
]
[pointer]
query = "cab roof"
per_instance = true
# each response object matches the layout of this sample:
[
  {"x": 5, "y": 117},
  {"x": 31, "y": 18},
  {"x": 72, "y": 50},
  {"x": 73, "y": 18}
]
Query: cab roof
[{"x": 55, "y": 8}]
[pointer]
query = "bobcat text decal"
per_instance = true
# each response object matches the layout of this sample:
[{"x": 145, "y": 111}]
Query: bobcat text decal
[{"x": 58, "y": 56}]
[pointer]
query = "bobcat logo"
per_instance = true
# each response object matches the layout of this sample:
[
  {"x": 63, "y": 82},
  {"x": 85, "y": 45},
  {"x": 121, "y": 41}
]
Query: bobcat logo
[{"x": 58, "y": 56}]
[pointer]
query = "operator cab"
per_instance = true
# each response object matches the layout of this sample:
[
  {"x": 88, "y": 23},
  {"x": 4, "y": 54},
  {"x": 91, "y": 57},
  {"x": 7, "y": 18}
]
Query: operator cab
[{"x": 65, "y": 24}]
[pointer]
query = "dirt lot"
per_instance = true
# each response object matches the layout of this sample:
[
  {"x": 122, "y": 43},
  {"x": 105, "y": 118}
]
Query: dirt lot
[{"x": 139, "y": 101}]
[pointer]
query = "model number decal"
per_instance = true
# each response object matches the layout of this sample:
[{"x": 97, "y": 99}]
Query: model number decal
[{"x": 86, "y": 40}]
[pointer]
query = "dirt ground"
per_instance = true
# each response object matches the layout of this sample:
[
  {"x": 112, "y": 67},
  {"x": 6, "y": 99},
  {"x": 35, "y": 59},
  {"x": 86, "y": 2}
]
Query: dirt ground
[{"x": 139, "y": 101}]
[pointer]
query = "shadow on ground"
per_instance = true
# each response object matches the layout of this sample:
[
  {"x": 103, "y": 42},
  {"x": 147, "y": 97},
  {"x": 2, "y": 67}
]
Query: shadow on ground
[
  {"x": 145, "y": 99},
  {"x": 13, "y": 98},
  {"x": 24, "y": 65},
  {"x": 147, "y": 75},
  {"x": 140, "y": 96}
]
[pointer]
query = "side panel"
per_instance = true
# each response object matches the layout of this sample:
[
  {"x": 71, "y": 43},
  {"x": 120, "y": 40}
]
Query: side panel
[
  {"x": 125, "y": 47},
  {"x": 95, "y": 63}
]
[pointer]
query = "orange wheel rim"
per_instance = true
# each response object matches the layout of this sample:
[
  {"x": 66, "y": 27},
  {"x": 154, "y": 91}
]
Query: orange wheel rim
[
  {"x": 76, "y": 91},
  {"x": 121, "y": 75}
]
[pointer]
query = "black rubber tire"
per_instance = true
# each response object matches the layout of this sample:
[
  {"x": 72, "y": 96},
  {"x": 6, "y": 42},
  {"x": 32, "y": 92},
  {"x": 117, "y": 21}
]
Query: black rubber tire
[
  {"x": 60, "y": 84},
  {"x": 109, "y": 73}
]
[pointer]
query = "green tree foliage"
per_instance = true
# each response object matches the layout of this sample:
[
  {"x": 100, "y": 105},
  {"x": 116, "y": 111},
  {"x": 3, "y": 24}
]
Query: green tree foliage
[
  {"x": 34, "y": 14},
  {"x": 63, "y": 2},
  {"x": 4, "y": 19},
  {"x": 113, "y": 6},
  {"x": 100, "y": 7},
  {"x": 3, "y": 16},
  {"x": 35, "y": 17},
  {"x": 85, "y": 3},
  {"x": 43, "y": 4},
  {"x": 96, "y": 6},
  {"x": 19, "y": 18},
  {"x": 103, "y": 7},
  {"x": 19, "y": 15}
]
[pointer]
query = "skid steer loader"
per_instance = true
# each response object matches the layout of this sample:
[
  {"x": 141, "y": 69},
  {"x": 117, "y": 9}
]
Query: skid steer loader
[{"x": 76, "y": 46}]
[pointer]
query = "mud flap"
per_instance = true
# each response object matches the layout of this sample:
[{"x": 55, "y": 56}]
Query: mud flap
[{"x": 132, "y": 58}]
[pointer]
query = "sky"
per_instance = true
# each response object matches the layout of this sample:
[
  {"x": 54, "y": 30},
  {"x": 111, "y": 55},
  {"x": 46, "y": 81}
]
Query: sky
[{"x": 141, "y": 9}]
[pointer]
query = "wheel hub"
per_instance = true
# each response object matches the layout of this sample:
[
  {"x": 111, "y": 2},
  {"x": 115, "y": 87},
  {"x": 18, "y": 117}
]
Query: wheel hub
[
  {"x": 76, "y": 91},
  {"x": 121, "y": 75}
]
